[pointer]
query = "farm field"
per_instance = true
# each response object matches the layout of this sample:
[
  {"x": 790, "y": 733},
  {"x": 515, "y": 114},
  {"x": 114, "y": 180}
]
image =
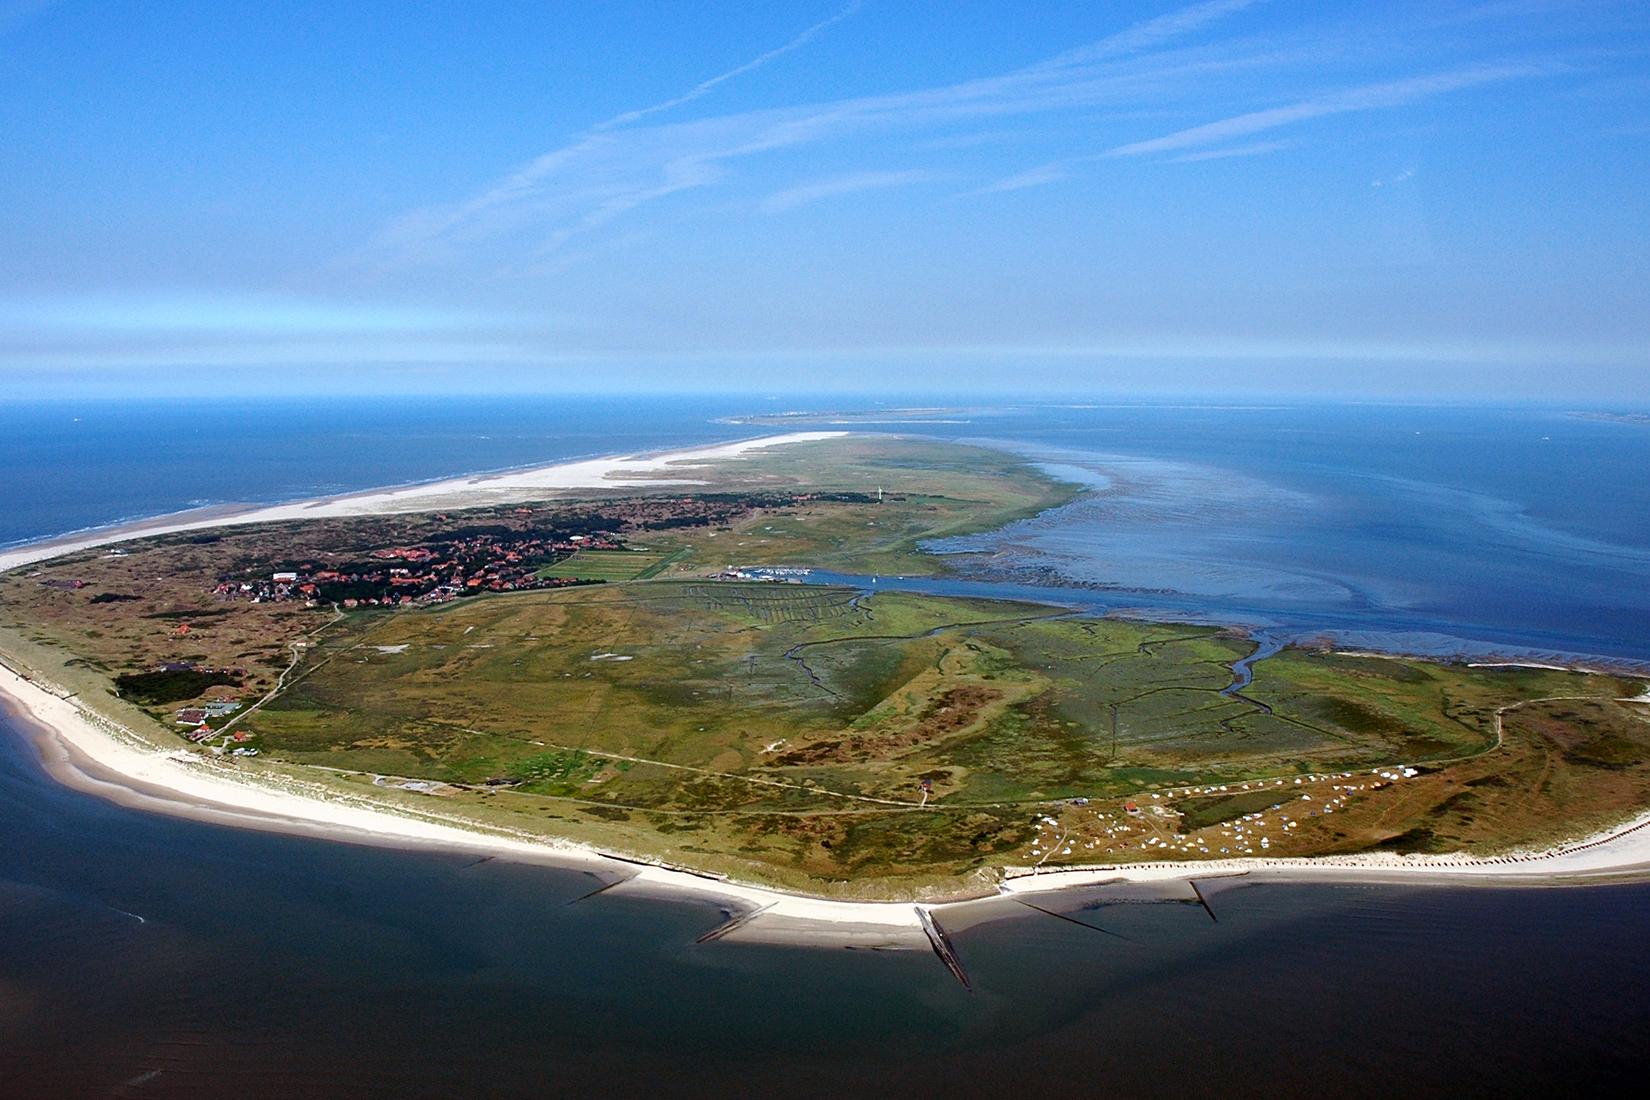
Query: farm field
[{"x": 611, "y": 565}]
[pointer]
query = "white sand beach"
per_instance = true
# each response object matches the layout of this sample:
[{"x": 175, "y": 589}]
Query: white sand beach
[
  {"x": 91, "y": 753},
  {"x": 617, "y": 472}
]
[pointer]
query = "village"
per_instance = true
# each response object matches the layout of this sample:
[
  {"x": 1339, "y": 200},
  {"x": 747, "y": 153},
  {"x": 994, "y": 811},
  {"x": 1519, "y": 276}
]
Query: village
[
  {"x": 509, "y": 554},
  {"x": 471, "y": 561},
  {"x": 1153, "y": 827}
]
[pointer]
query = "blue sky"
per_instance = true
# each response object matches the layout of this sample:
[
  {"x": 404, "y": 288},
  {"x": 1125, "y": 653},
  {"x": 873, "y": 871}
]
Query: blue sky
[{"x": 1397, "y": 199}]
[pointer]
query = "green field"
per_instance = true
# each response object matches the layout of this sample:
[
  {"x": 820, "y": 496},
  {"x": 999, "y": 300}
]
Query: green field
[
  {"x": 612, "y": 565},
  {"x": 788, "y": 730}
]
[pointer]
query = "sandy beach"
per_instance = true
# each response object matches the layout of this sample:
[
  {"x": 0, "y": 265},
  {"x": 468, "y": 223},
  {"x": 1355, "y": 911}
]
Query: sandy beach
[
  {"x": 616, "y": 472},
  {"x": 89, "y": 752}
]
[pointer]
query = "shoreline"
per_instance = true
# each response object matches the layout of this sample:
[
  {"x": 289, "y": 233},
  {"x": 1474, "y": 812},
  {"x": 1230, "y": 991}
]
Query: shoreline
[
  {"x": 92, "y": 754},
  {"x": 89, "y": 752},
  {"x": 466, "y": 490},
  {"x": 1626, "y": 667}
]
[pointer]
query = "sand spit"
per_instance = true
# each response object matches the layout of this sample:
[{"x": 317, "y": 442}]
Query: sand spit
[{"x": 618, "y": 472}]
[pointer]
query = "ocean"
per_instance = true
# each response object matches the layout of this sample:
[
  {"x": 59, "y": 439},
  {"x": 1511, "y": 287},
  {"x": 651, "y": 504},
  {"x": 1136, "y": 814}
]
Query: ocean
[
  {"x": 80, "y": 464},
  {"x": 1522, "y": 531},
  {"x": 148, "y": 956},
  {"x": 145, "y": 956}
]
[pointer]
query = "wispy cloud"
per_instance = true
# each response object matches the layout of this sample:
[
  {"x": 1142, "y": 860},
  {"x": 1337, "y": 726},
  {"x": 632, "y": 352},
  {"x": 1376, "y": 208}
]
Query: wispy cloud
[
  {"x": 612, "y": 170},
  {"x": 852, "y": 183},
  {"x": 227, "y": 328},
  {"x": 1369, "y": 97},
  {"x": 705, "y": 86},
  {"x": 1254, "y": 149},
  {"x": 199, "y": 313},
  {"x": 1393, "y": 181},
  {"x": 1040, "y": 176},
  {"x": 619, "y": 168},
  {"x": 1151, "y": 33}
]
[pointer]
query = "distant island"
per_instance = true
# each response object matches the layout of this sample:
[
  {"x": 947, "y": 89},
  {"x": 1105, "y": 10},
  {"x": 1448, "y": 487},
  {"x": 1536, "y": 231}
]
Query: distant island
[
  {"x": 913, "y": 415},
  {"x": 706, "y": 662},
  {"x": 1642, "y": 419}
]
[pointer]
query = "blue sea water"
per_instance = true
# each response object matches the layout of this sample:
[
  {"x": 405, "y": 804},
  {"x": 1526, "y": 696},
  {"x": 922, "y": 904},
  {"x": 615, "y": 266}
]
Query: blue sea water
[
  {"x": 1523, "y": 530},
  {"x": 1519, "y": 531},
  {"x": 73, "y": 465},
  {"x": 147, "y": 956}
]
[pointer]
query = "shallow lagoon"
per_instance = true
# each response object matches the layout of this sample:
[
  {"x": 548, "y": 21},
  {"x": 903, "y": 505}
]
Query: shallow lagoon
[{"x": 1418, "y": 529}]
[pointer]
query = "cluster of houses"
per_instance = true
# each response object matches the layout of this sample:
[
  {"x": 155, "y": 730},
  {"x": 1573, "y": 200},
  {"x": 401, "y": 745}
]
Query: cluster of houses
[
  {"x": 1156, "y": 829},
  {"x": 393, "y": 576},
  {"x": 765, "y": 573},
  {"x": 198, "y": 714},
  {"x": 503, "y": 554}
]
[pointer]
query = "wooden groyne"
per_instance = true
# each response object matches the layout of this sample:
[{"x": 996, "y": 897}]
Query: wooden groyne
[
  {"x": 1070, "y": 919},
  {"x": 733, "y": 922},
  {"x": 605, "y": 886},
  {"x": 1196, "y": 889},
  {"x": 941, "y": 943}
]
